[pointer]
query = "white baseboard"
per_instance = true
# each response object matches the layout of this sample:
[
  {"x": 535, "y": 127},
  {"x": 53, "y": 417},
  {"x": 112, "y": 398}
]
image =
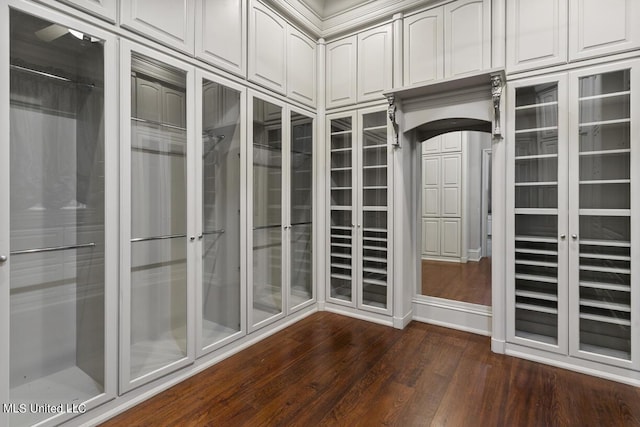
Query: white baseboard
[{"x": 463, "y": 316}]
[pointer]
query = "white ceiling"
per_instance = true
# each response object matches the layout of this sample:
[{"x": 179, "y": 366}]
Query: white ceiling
[{"x": 327, "y": 8}]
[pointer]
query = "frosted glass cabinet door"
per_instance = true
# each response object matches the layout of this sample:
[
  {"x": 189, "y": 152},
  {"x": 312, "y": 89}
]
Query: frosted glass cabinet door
[
  {"x": 301, "y": 210},
  {"x": 219, "y": 238},
  {"x": 54, "y": 169},
  {"x": 155, "y": 330},
  {"x": 267, "y": 250}
]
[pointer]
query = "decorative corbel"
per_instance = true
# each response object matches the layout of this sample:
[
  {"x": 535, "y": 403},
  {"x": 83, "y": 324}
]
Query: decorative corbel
[
  {"x": 391, "y": 112},
  {"x": 496, "y": 94}
]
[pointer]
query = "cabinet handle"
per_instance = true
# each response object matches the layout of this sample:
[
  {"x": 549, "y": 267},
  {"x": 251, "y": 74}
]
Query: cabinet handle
[
  {"x": 563, "y": 236},
  {"x": 3, "y": 258}
]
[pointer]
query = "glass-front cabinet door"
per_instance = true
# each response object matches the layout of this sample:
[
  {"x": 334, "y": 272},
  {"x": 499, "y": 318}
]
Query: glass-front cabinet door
[
  {"x": 604, "y": 206},
  {"x": 156, "y": 196},
  {"x": 58, "y": 254},
  {"x": 220, "y": 179}
]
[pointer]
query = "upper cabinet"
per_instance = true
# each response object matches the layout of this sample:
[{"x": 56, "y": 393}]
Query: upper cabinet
[
  {"x": 301, "y": 67},
  {"x": 341, "y": 60},
  {"x": 106, "y": 9},
  {"x": 267, "y": 48},
  {"x": 423, "y": 47},
  {"x": 467, "y": 37},
  {"x": 281, "y": 58},
  {"x": 536, "y": 33},
  {"x": 600, "y": 27},
  {"x": 169, "y": 22},
  {"x": 541, "y": 33},
  {"x": 375, "y": 62},
  {"x": 221, "y": 34}
]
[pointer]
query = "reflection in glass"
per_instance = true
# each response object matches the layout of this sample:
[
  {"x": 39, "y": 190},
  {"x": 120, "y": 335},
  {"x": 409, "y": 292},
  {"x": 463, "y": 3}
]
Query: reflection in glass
[
  {"x": 301, "y": 209},
  {"x": 158, "y": 216},
  {"x": 220, "y": 212},
  {"x": 267, "y": 210},
  {"x": 57, "y": 296}
]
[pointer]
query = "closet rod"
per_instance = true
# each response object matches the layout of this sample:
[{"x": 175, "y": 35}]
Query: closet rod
[
  {"x": 52, "y": 249},
  {"x": 148, "y": 239},
  {"x": 51, "y": 76}
]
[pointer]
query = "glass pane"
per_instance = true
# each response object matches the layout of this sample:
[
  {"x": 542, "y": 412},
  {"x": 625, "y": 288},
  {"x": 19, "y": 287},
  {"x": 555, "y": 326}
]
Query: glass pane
[
  {"x": 267, "y": 210},
  {"x": 57, "y": 295},
  {"x": 220, "y": 212},
  {"x": 301, "y": 209},
  {"x": 158, "y": 216},
  {"x": 605, "y": 240}
]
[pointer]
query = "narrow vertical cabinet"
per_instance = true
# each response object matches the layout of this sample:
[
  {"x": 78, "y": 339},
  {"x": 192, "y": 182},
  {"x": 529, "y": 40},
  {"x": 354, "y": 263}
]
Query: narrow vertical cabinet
[
  {"x": 157, "y": 228},
  {"x": 281, "y": 146},
  {"x": 58, "y": 245},
  {"x": 573, "y": 168},
  {"x": 359, "y": 219},
  {"x": 220, "y": 171}
]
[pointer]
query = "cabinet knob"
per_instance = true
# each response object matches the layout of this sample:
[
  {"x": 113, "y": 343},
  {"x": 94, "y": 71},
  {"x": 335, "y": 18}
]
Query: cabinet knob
[
  {"x": 563, "y": 236},
  {"x": 3, "y": 258}
]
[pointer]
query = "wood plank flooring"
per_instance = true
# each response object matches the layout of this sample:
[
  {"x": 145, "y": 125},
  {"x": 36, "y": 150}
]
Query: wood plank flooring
[
  {"x": 467, "y": 282},
  {"x": 331, "y": 370}
]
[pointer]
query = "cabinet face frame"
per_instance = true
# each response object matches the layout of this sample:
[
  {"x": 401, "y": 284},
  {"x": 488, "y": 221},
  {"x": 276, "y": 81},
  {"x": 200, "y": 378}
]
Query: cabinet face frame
[
  {"x": 127, "y": 50},
  {"x": 110, "y": 196},
  {"x": 182, "y": 42},
  {"x": 202, "y": 45},
  {"x": 574, "y": 212},
  {"x": 562, "y": 215},
  {"x": 201, "y": 348}
]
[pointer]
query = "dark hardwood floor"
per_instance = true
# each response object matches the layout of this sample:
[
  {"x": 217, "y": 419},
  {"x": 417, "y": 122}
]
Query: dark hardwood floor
[
  {"x": 467, "y": 282},
  {"x": 337, "y": 371}
]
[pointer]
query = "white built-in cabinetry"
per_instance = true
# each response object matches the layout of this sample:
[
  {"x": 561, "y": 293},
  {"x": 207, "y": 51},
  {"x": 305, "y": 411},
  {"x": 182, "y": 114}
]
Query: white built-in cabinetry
[
  {"x": 359, "y": 211},
  {"x": 359, "y": 67},
  {"x": 573, "y": 205},
  {"x": 281, "y": 57},
  {"x": 169, "y": 22},
  {"x": 541, "y": 33},
  {"x": 442, "y": 186}
]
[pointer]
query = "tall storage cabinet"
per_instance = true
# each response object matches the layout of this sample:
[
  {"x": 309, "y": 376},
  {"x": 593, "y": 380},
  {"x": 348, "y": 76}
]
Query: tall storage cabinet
[
  {"x": 359, "y": 217},
  {"x": 58, "y": 254},
  {"x": 574, "y": 209}
]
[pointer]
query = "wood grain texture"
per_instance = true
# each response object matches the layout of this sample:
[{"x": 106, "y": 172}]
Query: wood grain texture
[
  {"x": 330, "y": 370},
  {"x": 467, "y": 282}
]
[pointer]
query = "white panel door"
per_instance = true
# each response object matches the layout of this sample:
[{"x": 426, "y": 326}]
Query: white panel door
[
  {"x": 169, "y": 22},
  {"x": 102, "y": 8},
  {"x": 375, "y": 63},
  {"x": 424, "y": 47},
  {"x": 600, "y": 27},
  {"x": 467, "y": 37},
  {"x": 267, "y": 48},
  {"x": 450, "y": 237},
  {"x": 451, "y": 142},
  {"x": 301, "y": 67},
  {"x": 221, "y": 34},
  {"x": 431, "y": 186},
  {"x": 341, "y": 72},
  {"x": 536, "y": 33},
  {"x": 451, "y": 185},
  {"x": 430, "y": 236}
]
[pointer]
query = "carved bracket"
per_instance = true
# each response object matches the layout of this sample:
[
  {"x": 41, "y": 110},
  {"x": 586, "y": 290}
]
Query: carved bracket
[
  {"x": 391, "y": 112},
  {"x": 497, "y": 84}
]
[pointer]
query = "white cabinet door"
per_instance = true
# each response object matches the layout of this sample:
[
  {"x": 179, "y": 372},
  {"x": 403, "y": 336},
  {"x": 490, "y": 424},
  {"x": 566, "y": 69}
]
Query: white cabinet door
[
  {"x": 600, "y": 27},
  {"x": 375, "y": 63},
  {"x": 267, "y": 48},
  {"x": 341, "y": 72},
  {"x": 221, "y": 33},
  {"x": 451, "y": 185},
  {"x": 431, "y": 186},
  {"x": 424, "y": 47},
  {"x": 301, "y": 67},
  {"x": 467, "y": 37},
  {"x": 167, "y": 21},
  {"x": 450, "y": 237},
  {"x": 431, "y": 236},
  {"x": 536, "y": 33},
  {"x": 107, "y": 9}
]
